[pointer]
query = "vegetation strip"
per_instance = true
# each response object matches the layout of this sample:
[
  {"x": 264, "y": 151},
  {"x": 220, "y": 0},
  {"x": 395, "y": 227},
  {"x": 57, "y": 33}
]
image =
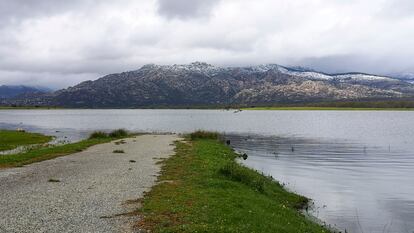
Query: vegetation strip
[
  {"x": 10, "y": 140},
  {"x": 203, "y": 189},
  {"x": 45, "y": 153},
  {"x": 29, "y": 108},
  {"x": 329, "y": 108}
]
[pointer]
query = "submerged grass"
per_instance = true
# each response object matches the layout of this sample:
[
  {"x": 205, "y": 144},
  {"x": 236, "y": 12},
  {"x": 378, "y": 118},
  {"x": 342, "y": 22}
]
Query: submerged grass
[
  {"x": 203, "y": 189},
  {"x": 10, "y": 140},
  {"x": 45, "y": 153}
]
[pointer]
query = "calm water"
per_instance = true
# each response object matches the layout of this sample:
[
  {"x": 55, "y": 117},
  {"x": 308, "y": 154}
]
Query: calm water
[{"x": 358, "y": 167}]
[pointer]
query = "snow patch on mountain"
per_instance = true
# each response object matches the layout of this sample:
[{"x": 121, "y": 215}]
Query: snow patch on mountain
[
  {"x": 363, "y": 77},
  {"x": 303, "y": 72}
]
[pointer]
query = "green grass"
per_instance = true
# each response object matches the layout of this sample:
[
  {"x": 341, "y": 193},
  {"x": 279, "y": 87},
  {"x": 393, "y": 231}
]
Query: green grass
[
  {"x": 203, "y": 189},
  {"x": 329, "y": 109},
  {"x": 10, "y": 140},
  {"x": 45, "y": 153}
]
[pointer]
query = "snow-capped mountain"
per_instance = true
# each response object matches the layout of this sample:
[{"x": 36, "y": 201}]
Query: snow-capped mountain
[{"x": 204, "y": 84}]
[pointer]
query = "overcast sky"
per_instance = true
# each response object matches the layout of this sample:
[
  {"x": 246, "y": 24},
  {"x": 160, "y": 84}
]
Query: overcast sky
[{"x": 57, "y": 43}]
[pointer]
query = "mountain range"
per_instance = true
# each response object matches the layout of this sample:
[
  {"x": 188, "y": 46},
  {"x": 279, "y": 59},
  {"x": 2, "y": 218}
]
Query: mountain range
[
  {"x": 10, "y": 91},
  {"x": 200, "y": 83}
]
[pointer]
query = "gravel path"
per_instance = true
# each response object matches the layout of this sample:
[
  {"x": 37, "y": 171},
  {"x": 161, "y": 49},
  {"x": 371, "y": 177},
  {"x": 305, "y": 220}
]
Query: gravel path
[{"x": 91, "y": 189}]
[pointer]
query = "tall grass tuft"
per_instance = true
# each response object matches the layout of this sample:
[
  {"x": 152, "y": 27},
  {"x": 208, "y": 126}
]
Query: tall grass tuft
[
  {"x": 98, "y": 135},
  {"x": 200, "y": 134},
  {"x": 119, "y": 133},
  {"x": 236, "y": 172}
]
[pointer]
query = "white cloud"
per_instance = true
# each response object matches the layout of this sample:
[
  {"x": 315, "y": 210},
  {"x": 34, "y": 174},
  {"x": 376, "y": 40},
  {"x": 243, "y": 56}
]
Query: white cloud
[{"x": 60, "y": 43}]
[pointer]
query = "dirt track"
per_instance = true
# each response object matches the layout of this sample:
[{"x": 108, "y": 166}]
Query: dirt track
[{"x": 83, "y": 192}]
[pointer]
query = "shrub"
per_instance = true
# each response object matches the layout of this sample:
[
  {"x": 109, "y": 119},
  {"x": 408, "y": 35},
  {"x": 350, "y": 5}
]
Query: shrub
[
  {"x": 98, "y": 135},
  {"x": 119, "y": 133},
  {"x": 204, "y": 135},
  {"x": 238, "y": 173}
]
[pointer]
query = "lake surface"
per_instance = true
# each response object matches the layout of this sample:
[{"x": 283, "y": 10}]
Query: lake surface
[{"x": 357, "y": 166}]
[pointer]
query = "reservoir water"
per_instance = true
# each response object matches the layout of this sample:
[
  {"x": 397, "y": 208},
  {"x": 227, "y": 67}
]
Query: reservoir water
[{"x": 356, "y": 166}]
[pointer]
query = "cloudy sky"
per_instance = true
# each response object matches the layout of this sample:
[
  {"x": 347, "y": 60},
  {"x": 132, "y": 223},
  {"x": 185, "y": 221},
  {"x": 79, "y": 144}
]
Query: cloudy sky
[{"x": 57, "y": 43}]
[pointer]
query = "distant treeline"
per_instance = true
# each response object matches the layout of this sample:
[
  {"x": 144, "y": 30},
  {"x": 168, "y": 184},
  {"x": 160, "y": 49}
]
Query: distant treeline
[
  {"x": 394, "y": 103},
  {"x": 368, "y": 104},
  {"x": 406, "y": 103}
]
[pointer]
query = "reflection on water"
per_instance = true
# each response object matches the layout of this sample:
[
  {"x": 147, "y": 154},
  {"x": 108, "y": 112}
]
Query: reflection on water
[
  {"x": 355, "y": 187},
  {"x": 356, "y": 165}
]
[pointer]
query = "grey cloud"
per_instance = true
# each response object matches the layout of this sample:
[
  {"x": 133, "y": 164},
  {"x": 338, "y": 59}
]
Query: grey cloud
[
  {"x": 59, "y": 42},
  {"x": 44, "y": 79},
  {"x": 357, "y": 63},
  {"x": 14, "y": 11},
  {"x": 329, "y": 64},
  {"x": 185, "y": 8}
]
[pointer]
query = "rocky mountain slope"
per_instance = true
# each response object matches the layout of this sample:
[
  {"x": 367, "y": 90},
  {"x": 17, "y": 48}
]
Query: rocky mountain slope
[{"x": 203, "y": 84}]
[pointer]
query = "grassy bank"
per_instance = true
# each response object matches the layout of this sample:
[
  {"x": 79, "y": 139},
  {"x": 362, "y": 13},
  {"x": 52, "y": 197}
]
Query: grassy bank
[
  {"x": 10, "y": 140},
  {"x": 45, "y": 153},
  {"x": 203, "y": 189},
  {"x": 328, "y": 109}
]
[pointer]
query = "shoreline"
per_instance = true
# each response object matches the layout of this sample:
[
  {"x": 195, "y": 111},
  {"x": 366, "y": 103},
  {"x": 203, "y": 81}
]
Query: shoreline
[
  {"x": 268, "y": 108},
  {"x": 204, "y": 175},
  {"x": 216, "y": 179},
  {"x": 232, "y": 109},
  {"x": 323, "y": 109}
]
